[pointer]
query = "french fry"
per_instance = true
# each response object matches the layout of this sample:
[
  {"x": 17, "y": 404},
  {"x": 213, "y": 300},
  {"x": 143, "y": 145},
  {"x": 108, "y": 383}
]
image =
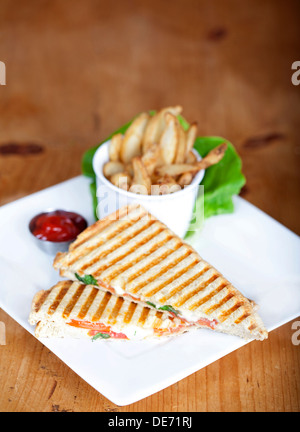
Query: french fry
[
  {"x": 191, "y": 158},
  {"x": 111, "y": 168},
  {"x": 152, "y": 158},
  {"x": 115, "y": 147},
  {"x": 129, "y": 169},
  {"x": 181, "y": 145},
  {"x": 191, "y": 135},
  {"x": 155, "y": 155},
  {"x": 176, "y": 169},
  {"x": 165, "y": 185},
  {"x": 165, "y": 179},
  {"x": 121, "y": 180},
  {"x": 169, "y": 139},
  {"x": 154, "y": 178},
  {"x": 141, "y": 182},
  {"x": 131, "y": 144},
  {"x": 156, "y": 126},
  {"x": 185, "y": 179},
  {"x": 151, "y": 133},
  {"x": 213, "y": 157}
]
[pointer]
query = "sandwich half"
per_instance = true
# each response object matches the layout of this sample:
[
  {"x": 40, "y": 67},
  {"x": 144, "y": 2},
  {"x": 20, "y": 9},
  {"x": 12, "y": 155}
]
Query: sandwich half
[
  {"x": 132, "y": 254},
  {"x": 83, "y": 311}
]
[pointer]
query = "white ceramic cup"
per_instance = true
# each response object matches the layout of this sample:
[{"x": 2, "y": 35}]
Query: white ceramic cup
[{"x": 175, "y": 209}]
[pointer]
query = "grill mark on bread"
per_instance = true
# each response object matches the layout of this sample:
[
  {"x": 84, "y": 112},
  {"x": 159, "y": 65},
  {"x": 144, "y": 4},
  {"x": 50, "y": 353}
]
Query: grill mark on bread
[
  {"x": 242, "y": 317},
  {"x": 219, "y": 304},
  {"x": 102, "y": 307},
  {"x": 205, "y": 299},
  {"x": 130, "y": 312},
  {"x": 41, "y": 300},
  {"x": 140, "y": 243},
  {"x": 162, "y": 271},
  {"x": 85, "y": 308},
  {"x": 144, "y": 315},
  {"x": 158, "y": 318},
  {"x": 122, "y": 242},
  {"x": 89, "y": 249},
  {"x": 185, "y": 297},
  {"x": 68, "y": 309},
  {"x": 171, "y": 279},
  {"x": 225, "y": 315},
  {"x": 185, "y": 283},
  {"x": 154, "y": 262},
  {"x": 62, "y": 292},
  {"x": 101, "y": 225},
  {"x": 114, "y": 313},
  {"x": 125, "y": 266}
]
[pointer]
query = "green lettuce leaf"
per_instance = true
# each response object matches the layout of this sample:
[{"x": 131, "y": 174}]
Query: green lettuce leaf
[{"x": 221, "y": 181}]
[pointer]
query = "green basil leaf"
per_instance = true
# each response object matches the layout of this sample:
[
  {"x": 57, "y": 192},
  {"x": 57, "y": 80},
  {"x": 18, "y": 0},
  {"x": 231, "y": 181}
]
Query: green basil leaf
[
  {"x": 169, "y": 309},
  {"x": 87, "y": 279},
  {"x": 151, "y": 304},
  {"x": 100, "y": 335}
]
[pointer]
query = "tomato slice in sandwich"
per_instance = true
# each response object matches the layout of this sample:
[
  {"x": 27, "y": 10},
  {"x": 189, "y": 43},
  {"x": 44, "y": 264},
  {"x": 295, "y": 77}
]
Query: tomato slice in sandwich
[{"x": 96, "y": 328}]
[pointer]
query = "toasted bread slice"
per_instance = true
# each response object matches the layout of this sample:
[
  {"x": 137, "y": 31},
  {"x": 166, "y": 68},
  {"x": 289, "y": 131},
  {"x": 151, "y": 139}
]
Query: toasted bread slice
[
  {"x": 131, "y": 252},
  {"x": 76, "y": 310}
]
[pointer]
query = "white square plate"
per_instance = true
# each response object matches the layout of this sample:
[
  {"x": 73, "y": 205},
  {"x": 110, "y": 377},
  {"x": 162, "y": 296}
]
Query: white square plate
[{"x": 257, "y": 254}]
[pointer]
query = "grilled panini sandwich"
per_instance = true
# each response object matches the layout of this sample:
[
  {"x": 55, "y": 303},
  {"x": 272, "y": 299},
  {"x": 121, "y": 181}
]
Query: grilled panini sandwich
[
  {"x": 76, "y": 310},
  {"x": 132, "y": 254}
]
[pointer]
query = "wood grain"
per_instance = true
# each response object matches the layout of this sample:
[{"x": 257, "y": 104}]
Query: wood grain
[{"x": 78, "y": 70}]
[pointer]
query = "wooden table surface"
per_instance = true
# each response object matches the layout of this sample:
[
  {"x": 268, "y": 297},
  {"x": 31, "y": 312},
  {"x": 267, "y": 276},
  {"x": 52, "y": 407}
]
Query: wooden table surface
[{"x": 75, "y": 71}]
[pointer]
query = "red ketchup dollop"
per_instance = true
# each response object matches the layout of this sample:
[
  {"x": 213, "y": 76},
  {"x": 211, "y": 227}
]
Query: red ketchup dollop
[{"x": 57, "y": 226}]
